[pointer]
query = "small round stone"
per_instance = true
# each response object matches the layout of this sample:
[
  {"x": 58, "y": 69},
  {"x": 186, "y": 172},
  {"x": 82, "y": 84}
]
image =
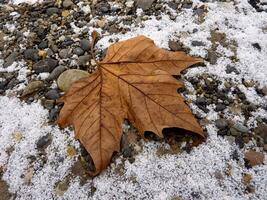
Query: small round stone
[
  {"x": 78, "y": 51},
  {"x": 85, "y": 44},
  {"x": 66, "y": 79}
]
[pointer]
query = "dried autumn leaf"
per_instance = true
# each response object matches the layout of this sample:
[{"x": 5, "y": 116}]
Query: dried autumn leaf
[{"x": 133, "y": 82}]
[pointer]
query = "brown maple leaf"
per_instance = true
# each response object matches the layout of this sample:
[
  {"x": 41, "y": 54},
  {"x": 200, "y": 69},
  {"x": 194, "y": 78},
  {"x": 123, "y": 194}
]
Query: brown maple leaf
[{"x": 134, "y": 82}]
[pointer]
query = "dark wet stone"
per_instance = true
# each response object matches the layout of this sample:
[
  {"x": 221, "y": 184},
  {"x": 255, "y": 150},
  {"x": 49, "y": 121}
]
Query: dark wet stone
[
  {"x": 52, "y": 94},
  {"x": 64, "y": 53},
  {"x": 78, "y": 51},
  {"x": 48, "y": 104},
  {"x": 67, "y": 43},
  {"x": 56, "y": 72},
  {"x": 201, "y": 101},
  {"x": 84, "y": 60},
  {"x": 53, "y": 114},
  {"x": 52, "y": 11},
  {"x": 10, "y": 59},
  {"x": 257, "y": 46},
  {"x": 85, "y": 44},
  {"x": 127, "y": 152},
  {"x": 220, "y": 107},
  {"x": 144, "y": 4},
  {"x": 43, "y": 45},
  {"x": 221, "y": 124},
  {"x": 241, "y": 128},
  {"x": 46, "y": 65},
  {"x": 230, "y": 69},
  {"x": 196, "y": 43},
  {"x": 239, "y": 141},
  {"x": 44, "y": 142},
  {"x": 31, "y": 54}
]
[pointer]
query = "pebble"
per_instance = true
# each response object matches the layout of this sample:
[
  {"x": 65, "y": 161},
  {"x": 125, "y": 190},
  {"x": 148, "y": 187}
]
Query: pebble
[
  {"x": 175, "y": 45},
  {"x": 53, "y": 113},
  {"x": 65, "y": 80},
  {"x": 220, "y": 107},
  {"x": 196, "y": 43},
  {"x": 256, "y": 46},
  {"x": 230, "y": 69},
  {"x": 52, "y": 94},
  {"x": 212, "y": 57},
  {"x": 48, "y": 104},
  {"x": 144, "y": 4},
  {"x": 78, "y": 51},
  {"x": 253, "y": 158},
  {"x": 240, "y": 127},
  {"x": 31, "y": 54},
  {"x": 221, "y": 124},
  {"x": 52, "y": 11},
  {"x": 64, "y": 53},
  {"x": 234, "y": 132},
  {"x": 43, "y": 142},
  {"x": 10, "y": 59},
  {"x": 201, "y": 101},
  {"x": 46, "y": 65},
  {"x": 84, "y": 60},
  {"x": 67, "y": 3},
  {"x": 43, "y": 45},
  {"x": 32, "y": 87},
  {"x": 85, "y": 44},
  {"x": 56, "y": 72}
]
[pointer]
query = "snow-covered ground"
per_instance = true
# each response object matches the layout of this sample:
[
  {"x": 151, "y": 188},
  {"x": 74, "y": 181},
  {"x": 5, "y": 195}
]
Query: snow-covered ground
[{"x": 209, "y": 171}]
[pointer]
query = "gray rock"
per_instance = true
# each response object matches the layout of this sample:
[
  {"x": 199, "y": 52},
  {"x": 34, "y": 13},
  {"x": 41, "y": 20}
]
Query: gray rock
[
  {"x": 48, "y": 104},
  {"x": 212, "y": 57},
  {"x": 53, "y": 114},
  {"x": 31, "y": 54},
  {"x": 221, "y": 124},
  {"x": 201, "y": 101},
  {"x": 220, "y": 107},
  {"x": 64, "y": 53},
  {"x": 66, "y": 79},
  {"x": 196, "y": 43},
  {"x": 84, "y": 60},
  {"x": 234, "y": 132},
  {"x": 175, "y": 45},
  {"x": 55, "y": 73},
  {"x": 67, "y": 3},
  {"x": 241, "y": 128},
  {"x": 44, "y": 142},
  {"x": 144, "y": 4},
  {"x": 52, "y": 11},
  {"x": 85, "y": 44},
  {"x": 10, "y": 59},
  {"x": 32, "y": 87},
  {"x": 78, "y": 51},
  {"x": 230, "y": 69},
  {"x": 46, "y": 65},
  {"x": 43, "y": 45},
  {"x": 52, "y": 94}
]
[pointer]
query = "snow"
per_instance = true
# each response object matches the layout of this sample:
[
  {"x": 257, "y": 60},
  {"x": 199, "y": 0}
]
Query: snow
[
  {"x": 17, "y": 2},
  {"x": 191, "y": 175}
]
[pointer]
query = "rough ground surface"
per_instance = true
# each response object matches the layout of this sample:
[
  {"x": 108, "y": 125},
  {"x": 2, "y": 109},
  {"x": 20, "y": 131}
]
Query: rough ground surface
[{"x": 41, "y": 39}]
